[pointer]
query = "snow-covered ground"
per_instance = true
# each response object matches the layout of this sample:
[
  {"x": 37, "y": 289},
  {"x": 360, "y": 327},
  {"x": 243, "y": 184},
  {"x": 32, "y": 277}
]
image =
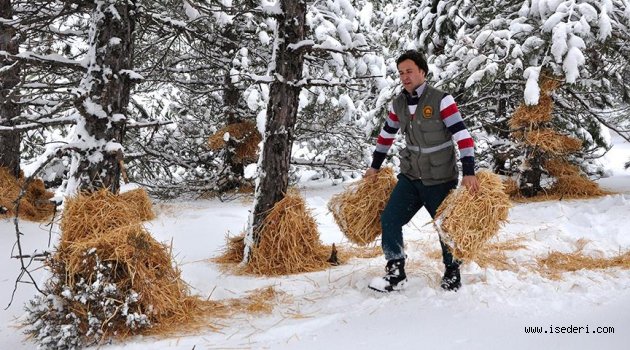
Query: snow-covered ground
[{"x": 333, "y": 309}]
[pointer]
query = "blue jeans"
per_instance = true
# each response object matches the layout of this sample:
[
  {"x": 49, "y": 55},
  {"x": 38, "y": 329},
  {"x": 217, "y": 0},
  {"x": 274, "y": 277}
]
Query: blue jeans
[{"x": 407, "y": 198}]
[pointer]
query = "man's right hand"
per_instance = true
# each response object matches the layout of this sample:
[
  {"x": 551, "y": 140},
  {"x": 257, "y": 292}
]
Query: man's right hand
[{"x": 370, "y": 173}]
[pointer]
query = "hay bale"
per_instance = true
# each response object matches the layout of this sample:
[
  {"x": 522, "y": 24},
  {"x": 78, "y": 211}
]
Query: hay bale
[
  {"x": 467, "y": 221},
  {"x": 246, "y": 136},
  {"x": 34, "y": 206},
  {"x": 357, "y": 210},
  {"x": 289, "y": 241}
]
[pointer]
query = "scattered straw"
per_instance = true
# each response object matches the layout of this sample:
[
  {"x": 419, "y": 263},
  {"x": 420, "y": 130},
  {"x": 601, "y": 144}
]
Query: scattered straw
[
  {"x": 258, "y": 301},
  {"x": 467, "y": 221},
  {"x": 555, "y": 263},
  {"x": 493, "y": 255},
  {"x": 289, "y": 241},
  {"x": 246, "y": 137},
  {"x": 34, "y": 206},
  {"x": 347, "y": 253},
  {"x": 550, "y": 141},
  {"x": 358, "y": 210}
]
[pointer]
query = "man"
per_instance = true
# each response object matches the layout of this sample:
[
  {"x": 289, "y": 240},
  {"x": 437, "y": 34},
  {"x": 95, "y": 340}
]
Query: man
[{"x": 430, "y": 121}]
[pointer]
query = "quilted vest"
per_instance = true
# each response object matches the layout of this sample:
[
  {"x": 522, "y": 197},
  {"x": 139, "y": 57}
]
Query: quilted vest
[{"x": 430, "y": 152}]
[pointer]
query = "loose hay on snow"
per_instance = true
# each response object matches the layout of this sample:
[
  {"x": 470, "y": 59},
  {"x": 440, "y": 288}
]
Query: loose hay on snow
[
  {"x": 555, "y": 263},
  {"x": 289, "y": 241},
  {"x": 467, "y": 221},
  {"x": 248, "y": 138},
  {"x": 358, "y": 209},
  {"x": 34, "y": 206}
]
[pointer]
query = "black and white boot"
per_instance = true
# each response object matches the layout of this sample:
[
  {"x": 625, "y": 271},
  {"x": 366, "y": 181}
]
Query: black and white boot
[
  {"x": 452, "y": 280},
  {"x": 394, "y": 279}
]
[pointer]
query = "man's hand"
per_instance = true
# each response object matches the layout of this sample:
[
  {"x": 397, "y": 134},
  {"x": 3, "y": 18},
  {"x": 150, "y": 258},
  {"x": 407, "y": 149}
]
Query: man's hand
[
  {"x": 370, "y": 173},
  {"x": 471, "y": 183}
]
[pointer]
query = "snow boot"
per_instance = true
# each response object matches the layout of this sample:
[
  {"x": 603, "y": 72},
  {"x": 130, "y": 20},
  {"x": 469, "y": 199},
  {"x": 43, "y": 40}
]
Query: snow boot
[
  {"x": 394, "y": 279},
  {"x": 451, "y": 280}
]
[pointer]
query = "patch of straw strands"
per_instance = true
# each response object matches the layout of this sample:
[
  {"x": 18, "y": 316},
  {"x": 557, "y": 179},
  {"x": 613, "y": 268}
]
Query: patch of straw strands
[
  {"x": 560, "y": 167},
  {"x": 289, "y": 241},
  {"x": 576, "y": 186},
  {"x": 530, "y": 116},
  {"x": 467, "y": 221},
  {"x": 105, "y": 228},
  {"x": 247, "y": 138},
  {"x": 233, "y": 252},
  {"x": 553, "y": 142},
  {"x": 357, "y": 210},
  {"x": 510, "y": 187},
  {"x": 34, "y": 206},
  {"x": 492, "y": 254},
  {"x": 101, "y": 212},
  {"x": 555, "y": 263}
]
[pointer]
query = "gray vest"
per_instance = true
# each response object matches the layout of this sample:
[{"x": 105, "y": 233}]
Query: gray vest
[{"x": 430, "y": 153}]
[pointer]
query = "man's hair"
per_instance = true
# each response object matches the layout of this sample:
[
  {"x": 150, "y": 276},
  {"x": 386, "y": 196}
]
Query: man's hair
[{"x": 417, "y": 57}]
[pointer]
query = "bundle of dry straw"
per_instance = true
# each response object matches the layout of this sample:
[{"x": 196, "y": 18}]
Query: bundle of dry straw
[
  {"x": 467, "y": 221},
  {"x": 34, "y": 206},
  {"x": 289, "y": 241},
  {"x": 246, "y": 136},
  {"x": 104, "y": 229},
  {"x": 358, "y": 210},
  {"x": 553, "y": 142}
]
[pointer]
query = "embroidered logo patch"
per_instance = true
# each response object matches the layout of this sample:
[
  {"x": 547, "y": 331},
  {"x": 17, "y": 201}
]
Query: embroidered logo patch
[{"x": 427, "y": 111}]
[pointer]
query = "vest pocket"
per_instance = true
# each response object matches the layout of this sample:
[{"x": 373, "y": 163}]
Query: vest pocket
[
  {"x": 443, "y": 164},
  {"x": 405, "y": 161}
]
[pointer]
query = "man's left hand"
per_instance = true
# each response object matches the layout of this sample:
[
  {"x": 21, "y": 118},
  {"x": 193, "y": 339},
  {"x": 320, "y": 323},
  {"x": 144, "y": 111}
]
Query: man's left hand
[{"x": 471, "y": 183}]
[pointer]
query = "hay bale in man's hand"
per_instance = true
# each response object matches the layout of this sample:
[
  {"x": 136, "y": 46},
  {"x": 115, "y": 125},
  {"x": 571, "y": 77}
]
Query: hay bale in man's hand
[
  {"x": 358, "y": 210},
  {"x": 467, "y": 221}
]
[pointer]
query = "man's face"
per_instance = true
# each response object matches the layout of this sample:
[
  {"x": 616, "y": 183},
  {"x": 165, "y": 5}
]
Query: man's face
[{"x": 411, "y": 75}]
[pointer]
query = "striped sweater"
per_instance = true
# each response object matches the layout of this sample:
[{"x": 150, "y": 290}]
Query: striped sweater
[{"x": 450, "y": 116}]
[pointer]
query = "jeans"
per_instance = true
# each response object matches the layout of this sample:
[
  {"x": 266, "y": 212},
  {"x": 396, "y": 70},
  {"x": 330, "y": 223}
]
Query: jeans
[{"x": 407, "y": 198}]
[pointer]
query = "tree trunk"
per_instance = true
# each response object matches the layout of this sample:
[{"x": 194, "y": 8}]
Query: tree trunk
[
  {"x": 530, "y": 184},
  {"x": 234, "y": 171},
  {"x": 9, "y": 79},
  {"x": 105, "y": 98},
  {"x": 282, "y": 111}
]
